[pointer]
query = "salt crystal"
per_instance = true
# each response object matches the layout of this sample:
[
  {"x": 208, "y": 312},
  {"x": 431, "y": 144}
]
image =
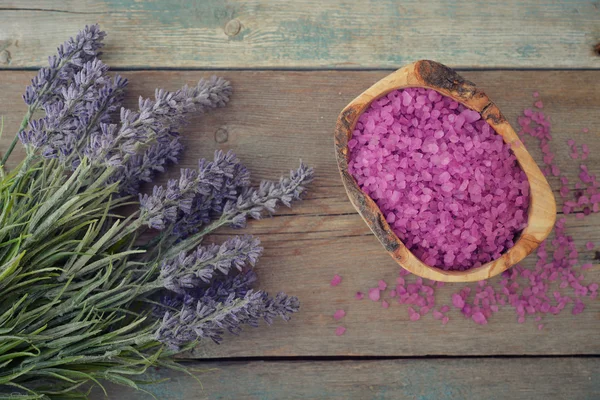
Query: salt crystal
[
  {"x": 374, "y": 294},
  {"x": 339, "y": 314},
  {"x": 382, "y": 285},
  {"x": 340, "y": 330},
  {"x": 336, "y": 280},
  {"x": 458, "y": 301},
  {"x": 479, "y": 318},
  {"x": 359, "y": 295},
  {"x": 385, "y": 304}
]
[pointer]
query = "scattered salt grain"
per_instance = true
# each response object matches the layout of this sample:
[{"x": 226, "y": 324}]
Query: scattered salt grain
[
  {"x": 374, "y": 294},
  {"x": 339, "y": 314},
  {"x": 382, "y": 285},
  {"x": 359, "y": 295},
  {"x": 340, "y": 330},
  {"x": 458, "y": 301},
  {"x": 336, "y": 280},
  {"x": 385, "y": 304},
  {"x": 589, "y": 245},
  {"x": 479, "y": 318}
]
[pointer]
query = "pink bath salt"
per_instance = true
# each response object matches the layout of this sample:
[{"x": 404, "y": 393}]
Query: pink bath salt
[
  {"x": 445, "y": 320},
  {"x": 382, "y": 285},
  {"x": 589, "y": 245},
  {"x": 587, "y": 266},
  {"x": 479, "y": 318},
  {"x": 578, "y": 308},
  {"x": 385, "y": 304},
  {"x": 359, "y": 295},
  {"x": 414, "y": 166},
  {"x": 340, "y": 330},
  {"x": 585, "y": 130},
  {"x": 585, "y": 151},
  {"x": 336, "y": 280},
  {"x": 415, "y": 316},
  {"x": 540, "y": 327},
  {"x": 374, "y": 294},
  {"x": 539, "y": 104},
  {"x": 458, "y": 301},
  {"x": 339, "y": 314},
  {"x": 536, "y": 94},
  {"x": 393, "y": 293},
  {"x": 437, "y": 314}
]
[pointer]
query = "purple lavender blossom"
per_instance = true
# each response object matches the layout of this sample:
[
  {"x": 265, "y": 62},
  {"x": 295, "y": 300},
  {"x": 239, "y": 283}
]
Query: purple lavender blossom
[
  {"x": 77, "y": 110},
  {"x": 210, "y": 319},
  {"x": 155, "y": 122},
  {"x": 253, "y": 202},
  {"x": 142, "y": 167},
  {"x": 192, "y": 270},
  {"x": 197, "y": 196},
  {"x": 72, "y": 55},
  {"x": 209, "y": 205}
]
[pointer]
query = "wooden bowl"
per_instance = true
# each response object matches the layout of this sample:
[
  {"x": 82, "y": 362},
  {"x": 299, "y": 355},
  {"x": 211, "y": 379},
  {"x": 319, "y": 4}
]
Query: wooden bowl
[{"x": 432, "y": 75}]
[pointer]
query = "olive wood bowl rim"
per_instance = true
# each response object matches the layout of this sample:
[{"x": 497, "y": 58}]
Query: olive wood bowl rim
[{"x": 432, "y": 75}]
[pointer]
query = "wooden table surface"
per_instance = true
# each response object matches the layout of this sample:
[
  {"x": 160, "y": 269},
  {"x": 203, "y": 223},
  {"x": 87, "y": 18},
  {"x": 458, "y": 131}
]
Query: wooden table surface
[{"x": 294, "y": 65}]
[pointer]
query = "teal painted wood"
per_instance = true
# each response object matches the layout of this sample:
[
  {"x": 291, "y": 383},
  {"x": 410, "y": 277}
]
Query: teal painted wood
[
  {"x": 292, "y": 34},
  {"x": 430, "y": 379}
]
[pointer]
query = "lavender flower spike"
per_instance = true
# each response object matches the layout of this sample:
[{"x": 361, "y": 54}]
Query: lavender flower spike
[
  {"x": 76, "y": 111},
  {"x": 189, "y": 271},
  {"x": 214, "y": 181},
  {"x": 253, "y": 202},
  {"x": 72, "y": 55},
  {"x": 210, "y": 319},
  {"x": 156, "y": 122}
]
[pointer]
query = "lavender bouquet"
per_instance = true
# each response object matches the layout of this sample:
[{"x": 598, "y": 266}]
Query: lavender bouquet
[{"x": 87, "y": 294}]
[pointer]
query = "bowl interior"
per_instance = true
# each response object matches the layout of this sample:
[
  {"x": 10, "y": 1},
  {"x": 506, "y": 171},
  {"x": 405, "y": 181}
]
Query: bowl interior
[{"x": 432, "y": 75}]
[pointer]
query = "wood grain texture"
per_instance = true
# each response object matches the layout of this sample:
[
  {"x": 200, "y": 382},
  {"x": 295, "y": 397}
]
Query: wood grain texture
[
  {"x": 277, "y": 117},
  {"x": 311, "y": 33},
  {"x": 427, "y": 379},
  {"x": 432, "y": 75}
]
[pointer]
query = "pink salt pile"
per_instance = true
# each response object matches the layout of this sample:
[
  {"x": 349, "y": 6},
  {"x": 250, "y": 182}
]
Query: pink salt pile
[
  {"x": 445, "y": 181},
  {"x": 556, "y": 282}
]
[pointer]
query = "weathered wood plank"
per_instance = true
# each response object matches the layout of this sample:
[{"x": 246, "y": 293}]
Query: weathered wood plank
[
  {"x": 310, "y": 33},
  {"x": 276, "y": 118},
  {"x": 439, "y": 379}
]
